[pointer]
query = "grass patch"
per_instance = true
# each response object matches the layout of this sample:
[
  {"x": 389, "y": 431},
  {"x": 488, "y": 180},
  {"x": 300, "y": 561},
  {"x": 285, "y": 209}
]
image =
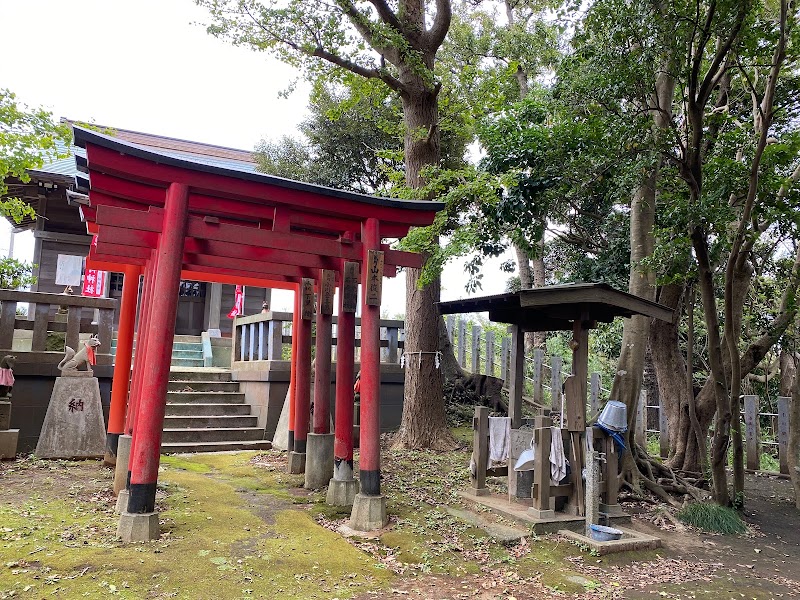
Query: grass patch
[{"x": 712, "y": 518}]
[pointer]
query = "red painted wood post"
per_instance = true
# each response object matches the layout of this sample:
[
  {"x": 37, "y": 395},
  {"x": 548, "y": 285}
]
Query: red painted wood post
[
  {"x": 345, "y": 373},
  {"x": 372, "y": 275},
  {"x": 322, "y": 354},
  {"x": 141, "y": 347},
  {"x": 293, "y": 372},
  {"x": 138, "y": 366},
  {"x": 302, "y": 401},
  {"x": 122, "y": 361},
  {"x": 161, "y": 331}
]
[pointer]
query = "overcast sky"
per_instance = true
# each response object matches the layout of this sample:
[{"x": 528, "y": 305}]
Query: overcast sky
[{"x": 148, "y": 66}]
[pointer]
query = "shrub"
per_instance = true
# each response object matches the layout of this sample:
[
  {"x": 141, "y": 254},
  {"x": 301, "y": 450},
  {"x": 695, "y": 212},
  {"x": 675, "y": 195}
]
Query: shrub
[{"x": 712, "y": 517}]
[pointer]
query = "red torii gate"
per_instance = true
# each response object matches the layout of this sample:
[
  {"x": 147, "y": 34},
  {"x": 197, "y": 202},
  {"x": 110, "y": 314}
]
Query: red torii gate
[{"x": 168, "y": 218}]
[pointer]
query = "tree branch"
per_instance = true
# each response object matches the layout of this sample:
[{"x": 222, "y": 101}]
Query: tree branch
[
  {"x": 353, "y": 67},
  {"x": 436, "y": 34}
]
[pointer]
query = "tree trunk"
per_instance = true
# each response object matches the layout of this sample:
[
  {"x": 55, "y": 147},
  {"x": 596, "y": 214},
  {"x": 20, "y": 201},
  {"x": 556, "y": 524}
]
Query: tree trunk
[
  {"x": 793, "y": 459},
  {"x": 635, "y": 332},
  {"x": 424, "y": 422}
]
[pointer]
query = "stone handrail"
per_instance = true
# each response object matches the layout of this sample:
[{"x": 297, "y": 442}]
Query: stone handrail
[
  {"x": 260, "y": 337},
  {"x": 46, "y": 319}
]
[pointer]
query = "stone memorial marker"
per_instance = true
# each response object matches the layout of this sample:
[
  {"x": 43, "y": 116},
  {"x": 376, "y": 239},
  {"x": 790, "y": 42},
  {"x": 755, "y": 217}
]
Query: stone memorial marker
[{"x": 73, "y": 426}]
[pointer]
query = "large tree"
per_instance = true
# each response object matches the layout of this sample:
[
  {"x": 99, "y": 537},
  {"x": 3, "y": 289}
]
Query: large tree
[
  {"x": 28, "y": 137},
  {"x": 396, "y": 44}
]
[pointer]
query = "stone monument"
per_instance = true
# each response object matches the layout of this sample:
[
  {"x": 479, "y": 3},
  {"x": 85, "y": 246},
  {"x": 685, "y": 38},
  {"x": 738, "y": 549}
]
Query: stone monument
[
  {"x": 74, "y": 426},
  {"x": 8, "y": 437}
]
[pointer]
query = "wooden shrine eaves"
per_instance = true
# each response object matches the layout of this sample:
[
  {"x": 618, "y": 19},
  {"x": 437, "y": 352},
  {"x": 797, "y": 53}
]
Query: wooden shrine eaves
[{"x": 556, "y": 307}]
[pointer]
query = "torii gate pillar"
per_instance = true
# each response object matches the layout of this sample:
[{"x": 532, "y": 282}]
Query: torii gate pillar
[
  {"x": 140, "y": 521},
  {"x": 369, "y": 506}
]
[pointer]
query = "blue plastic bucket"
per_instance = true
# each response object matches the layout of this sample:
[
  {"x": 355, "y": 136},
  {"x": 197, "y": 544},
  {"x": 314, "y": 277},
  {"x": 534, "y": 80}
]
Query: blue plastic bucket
[{"x": 604, "y": 534}]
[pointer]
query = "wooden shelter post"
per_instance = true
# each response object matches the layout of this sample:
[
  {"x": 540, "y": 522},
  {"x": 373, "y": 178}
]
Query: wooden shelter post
[
  {"x": 319, "y": 452},
  {"x": 302, "y": 399},
  {"x": 343, "y": 487},
  {"x": 517, "y": 376},
  {"x": 150, "y": 419},
  {"x": 369, "y": 507}
]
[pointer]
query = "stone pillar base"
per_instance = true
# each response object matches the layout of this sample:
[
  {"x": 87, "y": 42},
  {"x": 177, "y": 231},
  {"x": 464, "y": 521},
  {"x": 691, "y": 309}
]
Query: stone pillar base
[
  {"x": 369, "y": 513},
  {"x": 138, "y": 527},
  {"x": 541, "y": 514},
  {"x": 319, "y": 460},
  {"x": 122, "y": 501},
  {"x": 121, "y": 467},
  {"x": 8, "y": 444},
  {"x": 612, "y": 510},
  {"x": 297, "y": 463},
  {"x": 342, "y": 492},
  {"x": 5, "y": 415},
  {"x": 473, "y": 491}
]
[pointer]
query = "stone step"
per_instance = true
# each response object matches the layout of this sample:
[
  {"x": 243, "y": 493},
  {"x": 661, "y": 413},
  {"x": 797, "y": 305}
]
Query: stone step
[
  {"x": 186, "y": 346},
  {"x": 187, "y": 362},
  {"x": 197, "y": 408},
  {"x": 194, "y": 354},
  {"x": 204, "y": 386},
  {"x": 218, "y": 434},
  {"x": 189, "y": 339},
  {"x": 202, "y": 374},
  {"x": 177, "y": 448},
  {"x": 206, "y": 397},
  {"x": 215, "y": 421}
]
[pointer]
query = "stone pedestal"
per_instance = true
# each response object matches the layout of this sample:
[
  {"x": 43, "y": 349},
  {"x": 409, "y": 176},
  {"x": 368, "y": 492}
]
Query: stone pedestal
[
  {"x": 341, "y": 493},
  {"x": 319, "y": 460},
  {"x": 5, "y": 415},
  {"x": 8, "y": 444},
  {"x": 73, "y": 426},
  {"x": 122, "y": 501},
  {"x": 121, "y": 468},
  {"x": 297, "y": 463},
  {"x": 541, "y": 514},
  {"x": 369, "y": 513},
  {"x": 138, "y": 527}
]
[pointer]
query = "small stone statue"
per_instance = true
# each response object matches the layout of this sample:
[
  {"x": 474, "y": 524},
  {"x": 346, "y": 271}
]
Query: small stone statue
[
  {"x": 7, "y": 374},
  {"x": 77, "y": 364}
]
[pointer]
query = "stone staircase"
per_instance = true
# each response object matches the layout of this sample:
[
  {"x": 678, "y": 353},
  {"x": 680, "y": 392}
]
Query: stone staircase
[
  {"x": 206, "y": 412},
  {"x": 187, "y": 350}
]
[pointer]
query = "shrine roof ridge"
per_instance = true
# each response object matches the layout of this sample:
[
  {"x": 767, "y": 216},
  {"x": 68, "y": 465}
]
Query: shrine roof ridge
[{"x": 83, "y": 136}]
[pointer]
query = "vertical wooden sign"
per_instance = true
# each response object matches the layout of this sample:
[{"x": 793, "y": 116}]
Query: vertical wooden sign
[
  {"x": 327, "y": 289},
  {"x": 350, "y": 287},
  {"x": 307, "y": 299},
  {"x": 372, "y": 295}
]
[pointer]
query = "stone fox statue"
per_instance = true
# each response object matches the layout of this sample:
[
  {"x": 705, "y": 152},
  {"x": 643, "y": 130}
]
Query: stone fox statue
[
  {"x": 81, "y": 361},
  {"x": 7, "y": 374}
]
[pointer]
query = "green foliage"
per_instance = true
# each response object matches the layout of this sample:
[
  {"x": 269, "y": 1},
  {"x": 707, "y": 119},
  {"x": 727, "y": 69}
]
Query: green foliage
[
  {"x": 712, "y": 518},
  {"x": 28, "y": 137},
  {"x": 15, "y": 274}
]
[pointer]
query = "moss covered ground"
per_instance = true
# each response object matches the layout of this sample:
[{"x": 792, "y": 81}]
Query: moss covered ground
[{"x": 235, "y": 525}]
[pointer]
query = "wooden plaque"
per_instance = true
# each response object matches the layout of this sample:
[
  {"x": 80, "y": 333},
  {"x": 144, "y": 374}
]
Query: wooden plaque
[
  {"x": 372, "y": 294},
  {"x": 327, "y": 289},
  {"x": 307, "y": 299},
  {"x": 350, "y": 287}
]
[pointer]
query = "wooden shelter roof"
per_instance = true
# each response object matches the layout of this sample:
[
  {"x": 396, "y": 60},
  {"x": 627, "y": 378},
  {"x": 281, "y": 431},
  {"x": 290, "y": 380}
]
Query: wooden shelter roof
[{"x": 557, "y": 307}]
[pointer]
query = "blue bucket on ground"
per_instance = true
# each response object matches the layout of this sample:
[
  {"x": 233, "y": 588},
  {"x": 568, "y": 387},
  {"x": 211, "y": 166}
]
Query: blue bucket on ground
[{"x": 601, "y": 533}]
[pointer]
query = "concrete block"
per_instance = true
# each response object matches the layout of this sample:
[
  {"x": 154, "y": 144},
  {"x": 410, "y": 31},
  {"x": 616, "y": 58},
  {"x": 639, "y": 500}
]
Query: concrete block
[
  {"x": 73, "y": 426},
  {"x": 122, "y": 501},
  {"x": 341, "y": 493},
  {"x": 297, "y": 463},
  {"x": 5, "y": 415},
  {"x": 319, "y": 460},
  {"x": 138, "y": 527},
  {"x": 280, "y": 440},
  {"x": 369, "y": 513},
  {"x": 121, "y": 468},
  {"x": 8, "y": 444}
]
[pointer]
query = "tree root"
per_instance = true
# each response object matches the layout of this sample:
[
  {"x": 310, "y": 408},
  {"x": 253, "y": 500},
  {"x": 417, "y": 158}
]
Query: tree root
[{"x": 661, "y": 480}]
